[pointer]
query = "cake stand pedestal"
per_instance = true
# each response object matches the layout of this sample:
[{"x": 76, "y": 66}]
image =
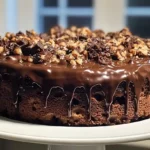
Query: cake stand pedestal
[
  {"x": 62, "y": 147},
  {"x": 74, "y": 138}
]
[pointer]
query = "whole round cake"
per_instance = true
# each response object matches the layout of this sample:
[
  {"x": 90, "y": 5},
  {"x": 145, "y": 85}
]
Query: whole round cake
[{"x": 75, "y": 77}]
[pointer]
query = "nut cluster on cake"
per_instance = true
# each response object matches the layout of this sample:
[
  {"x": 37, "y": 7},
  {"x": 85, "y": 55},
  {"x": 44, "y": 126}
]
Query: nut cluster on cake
[{"x": 74, "y": 46}]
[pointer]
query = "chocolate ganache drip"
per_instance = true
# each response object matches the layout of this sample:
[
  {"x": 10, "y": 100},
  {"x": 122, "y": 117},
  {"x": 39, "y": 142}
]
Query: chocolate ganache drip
[{"x": 78, "y": 58}]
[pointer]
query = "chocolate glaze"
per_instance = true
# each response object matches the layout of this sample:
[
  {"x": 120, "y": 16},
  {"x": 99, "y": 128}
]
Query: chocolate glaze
[{"x": 109, "y": 78}]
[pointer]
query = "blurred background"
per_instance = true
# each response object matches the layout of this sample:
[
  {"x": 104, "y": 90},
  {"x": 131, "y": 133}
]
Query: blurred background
[{"x": 109, "y": 15}]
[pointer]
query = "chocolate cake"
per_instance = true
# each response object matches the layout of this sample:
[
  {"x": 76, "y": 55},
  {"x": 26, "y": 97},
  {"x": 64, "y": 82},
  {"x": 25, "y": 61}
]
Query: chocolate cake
[{"x": 75, "y": 77}]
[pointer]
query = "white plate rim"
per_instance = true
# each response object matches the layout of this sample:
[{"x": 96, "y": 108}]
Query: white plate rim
[{"x": 33, "y": 133}]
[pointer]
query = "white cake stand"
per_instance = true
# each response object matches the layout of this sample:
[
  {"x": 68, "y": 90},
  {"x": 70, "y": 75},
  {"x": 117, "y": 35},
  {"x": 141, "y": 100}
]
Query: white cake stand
[{"x": 74, "y": 137}]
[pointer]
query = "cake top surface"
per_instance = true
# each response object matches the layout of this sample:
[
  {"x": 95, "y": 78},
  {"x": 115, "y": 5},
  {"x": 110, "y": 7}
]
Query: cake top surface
[{"x": 73, "y": 47}]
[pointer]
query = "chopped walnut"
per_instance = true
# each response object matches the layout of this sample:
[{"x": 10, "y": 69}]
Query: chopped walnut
[
  {"x": 54, "y": 59},
  {"x": 30, "y": 59},
  {"x": 71, "y": 44},
  {"x": 69, "y": 57},
  {"x": 52, "y": 42},
  {"x": 73, "y": 62},
  {"x": 8, "y": 35},
  {"x": 61, "y": 52},
  {"x": 85, "y": 31},
  {"x": 17, "y": 50},
  {"x": 75, "y": 53},
  {"x": 62, "y": 44},
  {"x": 79, "y": 61},
  {"x": 1, "y": 49}
]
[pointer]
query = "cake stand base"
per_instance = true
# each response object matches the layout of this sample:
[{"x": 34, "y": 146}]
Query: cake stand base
[{"x": 62, "y": 147}]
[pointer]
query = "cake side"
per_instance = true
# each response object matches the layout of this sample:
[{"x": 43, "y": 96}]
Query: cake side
[{"x": 96, "y": 96}]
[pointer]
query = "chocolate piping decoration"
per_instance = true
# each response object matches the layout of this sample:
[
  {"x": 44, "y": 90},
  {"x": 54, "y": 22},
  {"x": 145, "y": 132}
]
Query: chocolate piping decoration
[
  {"x": 70, "y": 103},
  {"x": 127, "y": 97},
  {"x": 146, "y": 87},
  {"x": 49, "y": 93},
  {"x": 130, "y": 87},
  {"x": 89, "y": 109},
  {"x": 89, "y": 105},
  {"x": 135, "y": 98},
  {"x": 114, "y": 95},
  {"x": 21, "y": 89},
  {"x": 35, "y": 84}
]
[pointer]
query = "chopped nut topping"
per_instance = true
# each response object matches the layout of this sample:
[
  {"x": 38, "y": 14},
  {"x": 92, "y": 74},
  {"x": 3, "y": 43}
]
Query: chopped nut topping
[
  {"x": 18, "y": 51},
  {"x": 75, "y": 45},
  {"x": 1, "y": 49},
  {"x": 30, "y": 59},
  {"x": 60, "y": 52},
  {"x": 79, "y": 61},
  {"x": 54, "y": 59},
  {"x": 73, "y": 62},
  {"x": 51, "y": 42},
  {"x": 75, "y": 53}
]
